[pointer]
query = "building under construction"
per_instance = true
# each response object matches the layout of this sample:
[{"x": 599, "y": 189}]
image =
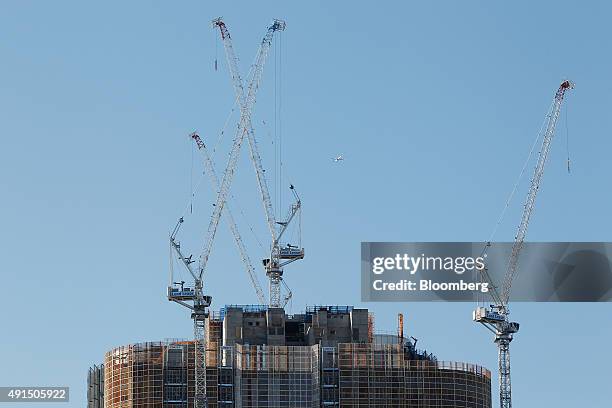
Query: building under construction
[{"x": 262, "y": 357}]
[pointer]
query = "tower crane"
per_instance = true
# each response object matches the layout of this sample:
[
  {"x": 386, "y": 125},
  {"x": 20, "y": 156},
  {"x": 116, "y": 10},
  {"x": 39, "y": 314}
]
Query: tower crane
[
  {"x": 496, "y": 319},
  {"x": 210, "y": 169},
  {"x": 184, "y": 295},
  {"x": 279, "y": 255}
]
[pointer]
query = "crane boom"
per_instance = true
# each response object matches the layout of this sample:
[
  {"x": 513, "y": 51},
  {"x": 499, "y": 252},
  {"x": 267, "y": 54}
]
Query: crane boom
[
  {"x": 261, "y": 182},
  {"x": 230, "y": 55},
  {"x": 232, "y": 63},
  {"x": 519, "y": 240},
  {"x": 497, "y": 320},
  {"x": 210, "y": 169},
  {"x": 245, "y": 117},
  {"x": 273, "y": 265}
]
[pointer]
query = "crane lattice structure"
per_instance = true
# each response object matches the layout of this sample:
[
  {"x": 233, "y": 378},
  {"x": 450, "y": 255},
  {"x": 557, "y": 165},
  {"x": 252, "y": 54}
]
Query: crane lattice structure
[
  {"x": 194, "y": 298},
  {"x": 496, "y": 319},
  {"x": 279, "y": 255},
  {"x": 209, "y": 168}
]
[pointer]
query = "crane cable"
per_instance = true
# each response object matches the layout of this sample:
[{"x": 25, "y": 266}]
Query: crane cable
[
  {"x": 194, "y": 191},
  {"x": 231, "y": 203},
  {"x": 216, "y": 41},
  {"x": 484, "y": 275},
  {"x": 520, "y": 177},
  {"x": 567, "y": 140},
  {"x": 275, "y": 127},
  {"x": 191, "y": 183},
  {"x": 278, "y": 138},
  {"x": 218, "y": 142},
  {"x": 236, "y": 102},
  {"x": 235, "y": 204},
  {"x": 280, "y": 118}
]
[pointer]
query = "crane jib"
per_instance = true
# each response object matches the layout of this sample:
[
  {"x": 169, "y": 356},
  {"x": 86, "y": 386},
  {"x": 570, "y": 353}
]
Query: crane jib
[
  {"x": 243, "y": 126},
  {"x": 496, "y": 318},
  {"x": 533, "y": 190}
]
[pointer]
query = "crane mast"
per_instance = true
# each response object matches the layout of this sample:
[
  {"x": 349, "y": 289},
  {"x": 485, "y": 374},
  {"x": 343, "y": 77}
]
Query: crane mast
[
  {"x": 199, "y": 313},
  {"x": 496, "y": 319},
  {"x": 281, "y": 256},
  {"x": 274, "y": 264}
]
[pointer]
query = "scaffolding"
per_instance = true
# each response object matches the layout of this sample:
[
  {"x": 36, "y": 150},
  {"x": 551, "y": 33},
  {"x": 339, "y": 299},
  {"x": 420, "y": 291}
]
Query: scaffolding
[
  {"x": 95, "y": 386},
  {"x": 380, "y": 375},
  {"x": 371, "y": 327},
  {"x": 333, "y": 309},
  {"x": 134, "y": 376},
  {"x": 277, "y": 376},
  {"x": 150, "y": 375},
  {"x": 330, "y": 380},
  {"x": 336, "y": 366},
  {"x": 214, "y": 330}
]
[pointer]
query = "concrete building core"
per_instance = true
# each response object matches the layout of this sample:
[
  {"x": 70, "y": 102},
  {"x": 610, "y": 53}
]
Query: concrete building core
[
  {"x": 328, "y": 326},
  {"x": 328, "y": 356}
]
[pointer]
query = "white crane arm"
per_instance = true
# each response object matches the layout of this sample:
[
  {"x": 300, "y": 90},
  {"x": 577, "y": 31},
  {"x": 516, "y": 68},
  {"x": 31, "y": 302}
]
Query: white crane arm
[
  {"x": 210, "y": 169},
  {"x": 277, "y": 25},
  {"x": 245, "y": 117},
  {"x": 519, "y": 240},
  {"x": 262, "y": 183}
]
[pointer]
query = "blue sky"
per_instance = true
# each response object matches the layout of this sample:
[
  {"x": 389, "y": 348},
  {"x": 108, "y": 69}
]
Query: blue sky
[{"x": 433, "y": 104}]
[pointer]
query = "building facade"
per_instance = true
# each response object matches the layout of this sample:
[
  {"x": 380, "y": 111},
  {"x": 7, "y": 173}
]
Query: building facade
[{"x": 327, "y": 356}]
